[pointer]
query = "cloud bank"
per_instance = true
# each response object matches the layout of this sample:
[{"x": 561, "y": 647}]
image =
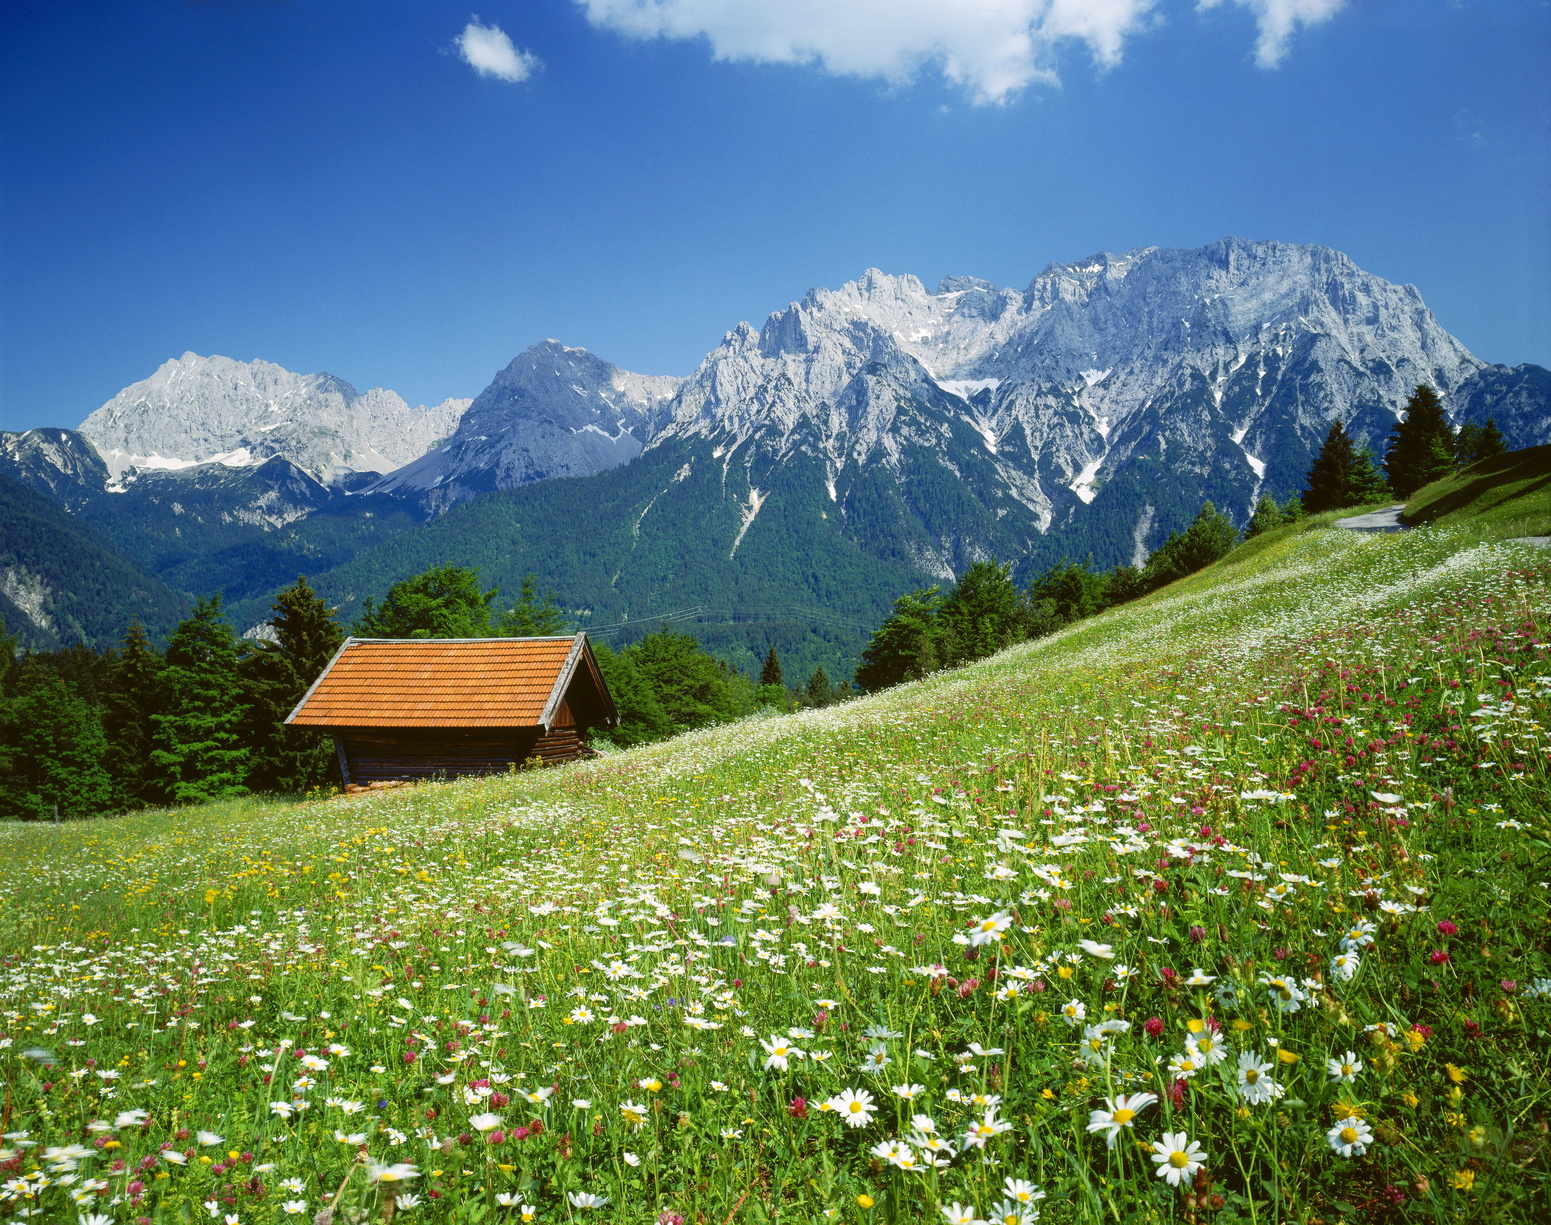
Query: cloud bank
[
  {"x": 992, "y": 48},
  {"x": 489, "y": 52}
]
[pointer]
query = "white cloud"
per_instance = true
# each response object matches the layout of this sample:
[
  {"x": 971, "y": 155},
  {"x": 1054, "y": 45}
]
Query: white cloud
[
  {"x": 489, "y": 52},
  {"x": 1277, "y": 20},
  {"x": 993, "y": 48}
]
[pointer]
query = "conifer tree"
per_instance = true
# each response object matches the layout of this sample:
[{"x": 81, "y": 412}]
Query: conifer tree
[
  {"x": 642, "y": 718},
  {"x": 1328, "y": 485},
  {"x": 276, "y": 675},
  {"x": 198, "y": 749},
  {"x": 770, "y": 674},
  {"x": 133, "y": 700},
  {"x": 1421, "y": 446},
  {"x": 1367, "y": 483},
  {"x": 1477, "y": 442},
  {"x": 532, "y": 616},
  {"x": 1066, "y": 592},
  {"x": 55, "y": 750},
  {"x": 982, "y": 614},
  {"x": 1210, "y": 535},
  {"x": 1267, "y": 516},
  {"x": 818, "y": 691}
]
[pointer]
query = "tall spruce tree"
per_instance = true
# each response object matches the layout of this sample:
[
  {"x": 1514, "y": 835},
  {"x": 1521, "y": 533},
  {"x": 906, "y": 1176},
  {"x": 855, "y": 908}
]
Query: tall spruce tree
[
  {"x": 770, "y": 674},
  {"x": 1267, "y": 517},
  {"x": 818, "y": 691},
  {"x": 1421, "y": 446},
  {"x": 133, "y": 700},
  {"x": 55, "y": 751},
  {"x": 533, "y": 616},
  {"x": 198, "y": 748},
  {"x": 1210, "y": 535},
  {"x": 1065, "y": 592},
  {"x": 1475, "y": 442},
  {"x": 1328, "y": 485},
  {"x": 1367, "y": 483},
  {"x": 642, "y": 718},
  {"x": 276, "y": 674}
]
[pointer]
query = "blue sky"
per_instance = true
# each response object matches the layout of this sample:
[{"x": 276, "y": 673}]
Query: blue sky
[{"x": 337, "y": 186}]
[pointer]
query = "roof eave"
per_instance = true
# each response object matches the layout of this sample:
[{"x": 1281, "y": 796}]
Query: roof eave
[
  {"x": 297, "y": 709},
  {"x": 563, "y": 680}
]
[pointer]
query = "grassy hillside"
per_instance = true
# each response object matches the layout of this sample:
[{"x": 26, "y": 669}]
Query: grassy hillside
[
  {"x": 1507, "y": 494},
  {"x": 1265, "y": 848}
]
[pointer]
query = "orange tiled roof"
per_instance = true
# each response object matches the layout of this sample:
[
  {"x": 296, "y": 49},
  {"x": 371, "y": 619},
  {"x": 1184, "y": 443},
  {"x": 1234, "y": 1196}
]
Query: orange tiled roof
[{"x": 466, "y": 682}]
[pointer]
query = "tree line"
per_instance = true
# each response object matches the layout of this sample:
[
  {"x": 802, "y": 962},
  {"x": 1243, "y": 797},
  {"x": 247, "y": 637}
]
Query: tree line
[
  {"x": 985, "y": 612},
  {"x": 84, "y": 732},
  {"x": 1423, "y": 447}
]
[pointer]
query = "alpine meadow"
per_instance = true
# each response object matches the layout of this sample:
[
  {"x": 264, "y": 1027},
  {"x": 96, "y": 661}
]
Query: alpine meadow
[
  {"x": 775, "y": 612},
  {"x": 1227, "y": 904}
]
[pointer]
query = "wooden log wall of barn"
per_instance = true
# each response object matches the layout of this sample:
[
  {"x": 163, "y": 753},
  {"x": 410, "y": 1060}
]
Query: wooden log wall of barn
[{"x": 387, "y": 754}]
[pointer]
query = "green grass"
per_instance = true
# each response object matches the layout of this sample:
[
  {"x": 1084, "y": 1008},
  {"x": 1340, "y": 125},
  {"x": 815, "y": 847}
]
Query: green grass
[
  {"x": 1328, "y": 738},
  {"x": 1507, "y": 495}
]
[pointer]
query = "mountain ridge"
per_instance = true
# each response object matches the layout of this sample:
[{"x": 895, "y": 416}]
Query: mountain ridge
[
  {"x": 1088, "y": 414},
  {"x": 196, "y": 410}
]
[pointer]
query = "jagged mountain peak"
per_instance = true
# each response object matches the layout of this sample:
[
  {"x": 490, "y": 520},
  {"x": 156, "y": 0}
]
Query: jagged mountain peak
[
  {"x": 197, "y": 410},
  {"x": 553, "y": 410}
]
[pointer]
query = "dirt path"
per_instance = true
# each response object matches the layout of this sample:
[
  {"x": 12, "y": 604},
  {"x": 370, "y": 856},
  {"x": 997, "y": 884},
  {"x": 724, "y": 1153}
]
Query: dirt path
[{"x": 1386, "y": 520}]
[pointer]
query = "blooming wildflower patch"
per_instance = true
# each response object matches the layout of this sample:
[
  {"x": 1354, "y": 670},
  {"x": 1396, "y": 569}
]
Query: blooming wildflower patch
[{"x": 1143, "y": 914}]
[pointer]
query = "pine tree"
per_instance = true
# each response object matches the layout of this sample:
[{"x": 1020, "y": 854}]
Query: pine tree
[
  {"x": 1491, "y": 441},
  {"x": 905, "y": 646},
  {"x": 1329, "y": 482},
  {"x": 130, "y": 706},
  {"x": 818, "y": 691},
  {"x": 275, "y": 677},
  {"x": 443, "y": 602},
  {"x": 694, "y": 688},
  {"x": 198, "y": 743},
  {"x": 1267, "y": 517},
  {"x": 531, "y": 616},
  {"x": 1477, "y": 442},
  {"x": 1210, "y": 535},
  {"x": 770, "y": 674},
  {"x": 982, "y": 614},
  {"x": 1421, "y": 446},
  {"x": 642, "y": 718},
  {"x": 1068, "y": 591},
  {"x": 55, "y": 750},
  {"x": 1367, "y": 483}
]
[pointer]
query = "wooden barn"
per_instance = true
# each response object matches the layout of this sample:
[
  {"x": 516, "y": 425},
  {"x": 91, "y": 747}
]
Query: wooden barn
[{"x": 448, "y": 707}]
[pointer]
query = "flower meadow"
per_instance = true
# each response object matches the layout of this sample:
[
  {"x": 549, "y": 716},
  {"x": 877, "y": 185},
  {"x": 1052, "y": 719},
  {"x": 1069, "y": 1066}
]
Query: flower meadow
[{"x": 1229, "y": 905}]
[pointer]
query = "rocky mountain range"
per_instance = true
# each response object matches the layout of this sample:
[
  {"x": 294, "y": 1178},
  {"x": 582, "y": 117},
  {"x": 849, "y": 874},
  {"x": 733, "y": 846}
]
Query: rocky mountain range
[
  {"x": 882, "y": 431},
  {"x": 200, "y": 410}
]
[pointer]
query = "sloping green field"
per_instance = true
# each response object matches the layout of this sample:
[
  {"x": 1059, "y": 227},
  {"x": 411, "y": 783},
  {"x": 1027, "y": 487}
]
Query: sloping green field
[
  {"x": 1509, "y": 494},
  {"x": 1227, "y": 905}
]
